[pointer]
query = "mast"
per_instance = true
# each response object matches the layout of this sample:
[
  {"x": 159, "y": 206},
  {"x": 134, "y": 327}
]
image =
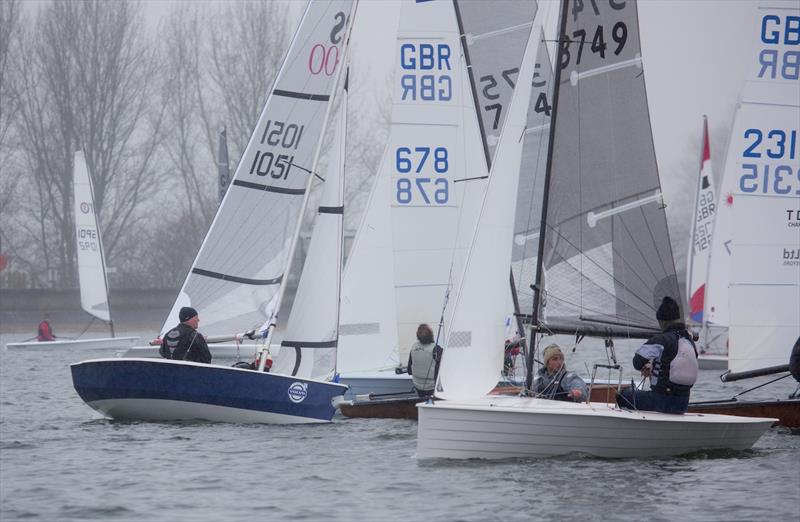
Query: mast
[{"x": 537, "y": 287}]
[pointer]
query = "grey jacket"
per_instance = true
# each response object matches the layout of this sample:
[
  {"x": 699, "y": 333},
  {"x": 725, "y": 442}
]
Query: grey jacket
[{"x": 558, "y": 385}]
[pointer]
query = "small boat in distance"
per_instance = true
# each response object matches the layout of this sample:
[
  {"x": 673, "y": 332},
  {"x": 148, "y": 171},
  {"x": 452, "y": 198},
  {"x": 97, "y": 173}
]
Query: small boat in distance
[{"x": 92, "y": 277}]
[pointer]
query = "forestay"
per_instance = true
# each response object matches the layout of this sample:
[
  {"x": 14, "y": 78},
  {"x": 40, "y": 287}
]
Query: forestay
[
  {"x": 235, "y": 280},
  {"x": 473, "y": 354},
  {"x": 309, "y": 344},
  {"x": 762, "y": 199},
  {"x": 91, "y": 263},
  {"x": 606, "y": 248}
]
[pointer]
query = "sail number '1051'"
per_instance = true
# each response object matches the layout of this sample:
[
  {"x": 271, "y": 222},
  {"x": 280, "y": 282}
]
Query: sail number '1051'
[
  {"x": 775, "y": 144},
  {"x": 433, "y": 188},
  {"x": 277, "y": 134}
]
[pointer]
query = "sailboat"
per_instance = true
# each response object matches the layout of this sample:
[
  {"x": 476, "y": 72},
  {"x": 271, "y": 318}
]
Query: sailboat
[
  {"x": 697, "y": 268},
  {"x": 91, "y": 271},
  {"x": 415, "y": 232},
  {"x": 604, "y": 248},
  {"x": 237, "y": 281},
  {"x": 762, "y": 204}
]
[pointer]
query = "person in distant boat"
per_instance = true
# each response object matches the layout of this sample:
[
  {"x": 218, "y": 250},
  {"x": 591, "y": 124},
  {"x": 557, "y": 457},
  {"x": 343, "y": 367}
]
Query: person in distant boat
[
  {"x": 555, "y": 382},
  {"x": 184, "y": 342},
  {"x": 423, "y": 361},
  {"x": 669, "y": 358},
  {"x": 513, "y": 348},
  {"x": 45, "y": 331}
]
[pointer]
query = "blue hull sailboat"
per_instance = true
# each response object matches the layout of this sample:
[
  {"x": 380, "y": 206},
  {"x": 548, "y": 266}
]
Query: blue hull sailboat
[{"x": 238, "y": 279}]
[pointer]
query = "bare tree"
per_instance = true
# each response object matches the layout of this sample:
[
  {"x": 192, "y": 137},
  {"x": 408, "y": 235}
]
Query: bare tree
[{"x": 84, "y": 71}]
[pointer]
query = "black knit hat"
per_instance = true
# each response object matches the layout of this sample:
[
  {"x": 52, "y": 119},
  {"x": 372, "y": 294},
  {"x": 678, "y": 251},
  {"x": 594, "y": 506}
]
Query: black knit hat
[
  {"x": 186, "y": 313},
  {"x": 669, "y": 310}
]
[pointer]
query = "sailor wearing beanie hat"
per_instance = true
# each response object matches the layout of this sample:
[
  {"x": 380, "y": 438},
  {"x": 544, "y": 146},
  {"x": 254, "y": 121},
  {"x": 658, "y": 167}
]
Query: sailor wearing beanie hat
[
  {"x": 669, "y": 358},
  {"x": 184, "y": 342},
  {"x": 553, "y": 381}
]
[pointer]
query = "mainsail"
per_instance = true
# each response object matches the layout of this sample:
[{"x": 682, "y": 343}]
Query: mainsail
[
  {"x": 604, "y": 248},
  {"x": 700, "y": 239},
  {"x": 772, "y": 84},
  {"x": 762, "y": 201},
  {"x": 235, "y": 280},
  {"x": 494, "y": 35},
  {"x": 91, "y": 261},
  {"x": 413, "y": 240}
]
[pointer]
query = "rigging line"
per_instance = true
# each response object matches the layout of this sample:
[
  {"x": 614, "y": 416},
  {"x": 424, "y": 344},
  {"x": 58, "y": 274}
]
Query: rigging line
[
  {"x": 499, "y": 32},
  {"x": 595, "y": 285},
  {"x": 599, "y": 267},
  {"x": 470, "y": 179}
]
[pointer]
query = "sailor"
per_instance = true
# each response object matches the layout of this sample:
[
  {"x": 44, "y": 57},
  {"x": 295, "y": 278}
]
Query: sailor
[
  {"x": 424, "y": 358},
  {"x": 555, "y": 382},
  {"x": 45, "y": 332},
  {"x": 184, "y": 342},
  {"x": 669, "y": 358}
]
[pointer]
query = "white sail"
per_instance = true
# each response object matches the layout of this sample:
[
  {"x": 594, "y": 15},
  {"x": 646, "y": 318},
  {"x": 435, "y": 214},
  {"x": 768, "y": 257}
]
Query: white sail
[
  {"x": 473, "y": 355},
  {"x": 415, "y": 233},
  {"x": 773, "y": 84},
  {"x": 309, "y": 343},
  {"x": 236, "y": 279},
  {"x": 91, "y": 263},
  {"x": 700, "y": 239},
  {"x": 765, "y": 277}
]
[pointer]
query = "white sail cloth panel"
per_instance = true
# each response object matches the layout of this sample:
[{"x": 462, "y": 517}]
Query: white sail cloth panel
[
  {"x": 773, "y": 85},
  {"x": 91, "y": 265},
  {"x": 619, "y": 265},
  {"x": 368, "y": 323},
  {"x": 765, "y": 281},
  {"x": 473, "y": 355},
  {"x": 496, "y": 33},
  {"x": 235, "y": 279},
  {"x": 434, "y": 141},
  {"x": 308, "y": 348}
]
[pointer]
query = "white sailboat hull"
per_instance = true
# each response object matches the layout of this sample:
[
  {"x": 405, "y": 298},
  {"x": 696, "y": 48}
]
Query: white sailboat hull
[
  {"x": 513, "y": 427},
  {"x": 107, "y": 343}
]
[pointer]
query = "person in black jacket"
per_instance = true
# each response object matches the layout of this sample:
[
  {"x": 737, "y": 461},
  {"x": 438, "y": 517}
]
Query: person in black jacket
[
  {"x": 184, "y": 342},
  {"x": 669, "y": 358}
]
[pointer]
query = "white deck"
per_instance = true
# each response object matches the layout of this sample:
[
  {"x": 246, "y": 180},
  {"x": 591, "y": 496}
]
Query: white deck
[
  {"x": 499, "y": 427},
  {"x": 107, "y": 343}
]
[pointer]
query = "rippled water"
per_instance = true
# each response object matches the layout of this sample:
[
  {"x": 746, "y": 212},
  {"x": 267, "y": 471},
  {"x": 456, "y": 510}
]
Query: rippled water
[{"x": 60, "y": 461}]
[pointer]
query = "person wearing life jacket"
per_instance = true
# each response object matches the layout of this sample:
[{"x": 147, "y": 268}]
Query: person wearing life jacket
[
  {"x": 45, "y": 332},
  {"x": 669, "y": 359},
  {"x": 553, "y": 381},
  {"x": 423, "y": 361},
  {"x": 184, "y": 342}
]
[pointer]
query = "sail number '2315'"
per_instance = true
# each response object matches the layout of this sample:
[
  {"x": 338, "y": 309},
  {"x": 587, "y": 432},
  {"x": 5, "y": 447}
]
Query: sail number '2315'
[{"x": 768, "y": 178}]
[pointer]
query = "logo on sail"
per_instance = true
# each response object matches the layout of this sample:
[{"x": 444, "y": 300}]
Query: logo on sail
[
  {"x": 298, "y": 392},
  {"x": 84, "y": 207}
]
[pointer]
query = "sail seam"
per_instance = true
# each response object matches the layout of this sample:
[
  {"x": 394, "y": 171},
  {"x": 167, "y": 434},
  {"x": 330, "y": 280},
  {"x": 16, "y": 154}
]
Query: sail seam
[{"x": 310, "y": 344}]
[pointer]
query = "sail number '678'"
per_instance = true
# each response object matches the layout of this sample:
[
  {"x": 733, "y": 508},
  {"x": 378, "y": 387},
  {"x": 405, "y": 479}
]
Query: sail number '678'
[{"x": 431, "y": 188}]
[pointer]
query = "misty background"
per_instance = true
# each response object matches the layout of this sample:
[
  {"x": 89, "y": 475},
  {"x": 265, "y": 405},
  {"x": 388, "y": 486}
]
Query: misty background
[{"x": 144, "y": 88}]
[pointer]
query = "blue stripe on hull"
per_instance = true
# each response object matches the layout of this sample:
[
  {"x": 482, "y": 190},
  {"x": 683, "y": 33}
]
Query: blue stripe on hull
[{"x": 158, "y": 379}]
